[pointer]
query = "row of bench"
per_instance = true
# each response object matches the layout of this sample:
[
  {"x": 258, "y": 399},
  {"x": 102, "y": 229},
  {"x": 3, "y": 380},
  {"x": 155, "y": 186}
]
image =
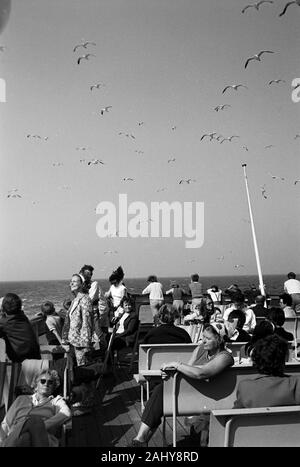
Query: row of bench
[{"x": 184, "y": 396}]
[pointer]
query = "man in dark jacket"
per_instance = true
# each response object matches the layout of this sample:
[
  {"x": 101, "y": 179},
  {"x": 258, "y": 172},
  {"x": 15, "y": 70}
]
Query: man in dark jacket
[{"x": 16, "y": 330}]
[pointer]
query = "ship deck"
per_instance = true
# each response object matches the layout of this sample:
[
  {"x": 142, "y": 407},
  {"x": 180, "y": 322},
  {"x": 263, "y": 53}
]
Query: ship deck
[{"x": 115, "y": 419}]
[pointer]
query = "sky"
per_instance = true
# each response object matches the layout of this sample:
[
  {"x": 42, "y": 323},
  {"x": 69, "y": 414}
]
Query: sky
[{"x": 164, "y": 63}]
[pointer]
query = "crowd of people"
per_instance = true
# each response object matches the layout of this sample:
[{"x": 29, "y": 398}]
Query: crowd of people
[{"x": 82, "y": 328}]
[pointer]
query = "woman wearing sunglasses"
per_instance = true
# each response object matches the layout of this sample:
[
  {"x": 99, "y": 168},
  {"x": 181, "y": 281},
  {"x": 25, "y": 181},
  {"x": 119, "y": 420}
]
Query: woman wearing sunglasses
[{"x": 33, "y": 420}]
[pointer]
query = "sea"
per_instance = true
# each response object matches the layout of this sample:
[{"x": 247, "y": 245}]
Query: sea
[{"x": 34, "y": 293}]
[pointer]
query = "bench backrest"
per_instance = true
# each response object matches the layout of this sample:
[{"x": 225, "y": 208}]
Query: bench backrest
[
  {"x": 193, "y": 396},
  {"x": 144, "y": 314},
  {"x": 261, "y": 427},
  {"x": 152, "y": 356}
]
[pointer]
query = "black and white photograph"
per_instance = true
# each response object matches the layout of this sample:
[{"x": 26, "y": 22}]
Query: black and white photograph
[{"x": 149, "y": 261}]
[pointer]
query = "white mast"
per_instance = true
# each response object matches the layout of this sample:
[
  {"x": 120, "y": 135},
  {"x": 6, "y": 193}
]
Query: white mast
[{"x": 261, "y": 283}]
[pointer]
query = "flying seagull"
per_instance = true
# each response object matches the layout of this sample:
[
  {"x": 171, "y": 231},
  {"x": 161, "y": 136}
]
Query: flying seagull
[
  {"x": 173, "y": 128},
  {"x": 234, "y": 86},
  {"x": 95, "y": 161},
  {"x": 297, "y": 136},
  {"x": 296, "y": 181},
  {"x": 128, "y": 179},
  {"x": 211, "y": 135},
  {"x": 140, "y": 123},
  {"x": 13, "y": 193},
  {"x": 263, "y": 191},
  {"x": 221, "y": 107},
  {"x": 97, "y": 86},
  {"x": 256, "y": 5},
  {"x": 109, "y": 252},
  {"x": 188, "y": 181},
  {"x": 276, "y": 177},
  {"x": 57, "y": 164},
  {"x": 160, "y": 189},
  {"x": 105, "y": 109},
  {"x": 229, "y": 138},
  {"x": 277, "y": 81},
  {"x": 139, "y": 151},
  {"x": 239, "y": 266},
  {"x": 82, "y": 148},
  {"x": 171, "y": 160},
  {"x": 257, "y": 56},
  {"x": 83, "y": 44},
  {"x": 86, "y": 57},
  {"x": 269, "y": 146},
  {"x": 221, "y": 258},
  {"x": 297, "y": 2},
  {"x": 128, "y": 135},
  {"x": 245, "y": 147}
]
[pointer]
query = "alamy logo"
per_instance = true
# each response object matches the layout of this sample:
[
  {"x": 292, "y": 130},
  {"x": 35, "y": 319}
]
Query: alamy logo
[
  {"x": 163, "y": 219},
  {"x": 2, "y": 90}
]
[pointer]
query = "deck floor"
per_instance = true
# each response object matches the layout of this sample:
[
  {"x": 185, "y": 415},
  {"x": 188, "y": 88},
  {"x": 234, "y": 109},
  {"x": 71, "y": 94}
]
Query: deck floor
[{"x": 116, "y": 417}]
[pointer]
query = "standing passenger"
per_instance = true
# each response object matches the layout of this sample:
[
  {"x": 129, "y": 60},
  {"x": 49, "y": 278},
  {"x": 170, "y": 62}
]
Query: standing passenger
[
  {"x": 196, "y": 290},
  {"x": 156, "y": 296},
  {"x": 292, "y": 287}
]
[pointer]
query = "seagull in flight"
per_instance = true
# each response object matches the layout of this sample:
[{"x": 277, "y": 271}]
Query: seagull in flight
[
  {"x": 297, "y": 2},
  {"x": 296, "y": 181},
  {"x": 105, "y": 109},
  {"x": 139, "y": 151},
  {"x": 95, "y": 162},
  {"x": 269, "y": 146},
  {"x": 173, "y": 159},
  {"x": 13, "y": 193},
  {"x": 236, "y": 266},
  {"x": 277, "y": 81},
  {"x": 160, "y": 189},
  {"x": 245, "y": 147},
  {"x": 109, "y": 252},
  {"x": 97, "y": 86},
  {"x": 211, "y": 135},
  {"x": 221, "y": 107},
  {"x": 128, "y": 135},
  {"x": 140, "y": 123},
  {"x": 82, "y": 148},
  {"x": 263, "y": 191},
  {"x": 221, "y": 258},
  {"x": 229, "y": 138},
  {"x": 297, "y": 136},
  {"x": 86, "y": 57},
  {"x": 57, "y": 164},
  {"x": 188, "y": 181},
  {"x": 173, "y": 128},
  {"x": 296, "y": 86},
  {"x": 257, "y": 56},
  {"x": 234, "y": 86},
  {"x": 256, "y": 5},
  {"x": 276, "y": 177},
  {"x": 83, "y": 44},
  {"x": 128, "y": 179}
]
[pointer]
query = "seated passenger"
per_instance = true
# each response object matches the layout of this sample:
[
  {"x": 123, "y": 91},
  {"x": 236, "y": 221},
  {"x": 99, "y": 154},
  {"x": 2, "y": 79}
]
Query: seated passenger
[
  {"x": 208, "y": 359},
  {"x": 261, "y": 330},
  {"x": 259, "y": 309},
  {"x": 238, "y": 334},
  {"x": 166, "y": 332},
  {"x": 276, "y": 316},
  {"x": 239, "y": 304},
  {"x": 272, "y": 387},
  {"x": 33, "y": 420},
  {"x": 54, "y": 323},
  {"x": 204, "y": 312},
  {"x": 286, "y": 303},
  {"x": 127, "y": 325},
  {"x": 16, "y": 330}
]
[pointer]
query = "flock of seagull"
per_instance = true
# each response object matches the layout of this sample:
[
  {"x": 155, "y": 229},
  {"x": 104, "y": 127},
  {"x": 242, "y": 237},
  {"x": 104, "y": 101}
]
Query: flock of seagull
[{"x": 212, "y": 136}]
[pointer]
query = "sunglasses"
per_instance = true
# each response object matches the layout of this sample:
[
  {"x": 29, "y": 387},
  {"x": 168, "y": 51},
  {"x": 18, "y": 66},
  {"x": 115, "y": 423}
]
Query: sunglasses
[{"x": 48, "y": 382}]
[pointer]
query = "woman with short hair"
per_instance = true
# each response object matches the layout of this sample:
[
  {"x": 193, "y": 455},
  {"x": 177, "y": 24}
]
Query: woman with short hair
[{"x": 33, "y": 420}]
